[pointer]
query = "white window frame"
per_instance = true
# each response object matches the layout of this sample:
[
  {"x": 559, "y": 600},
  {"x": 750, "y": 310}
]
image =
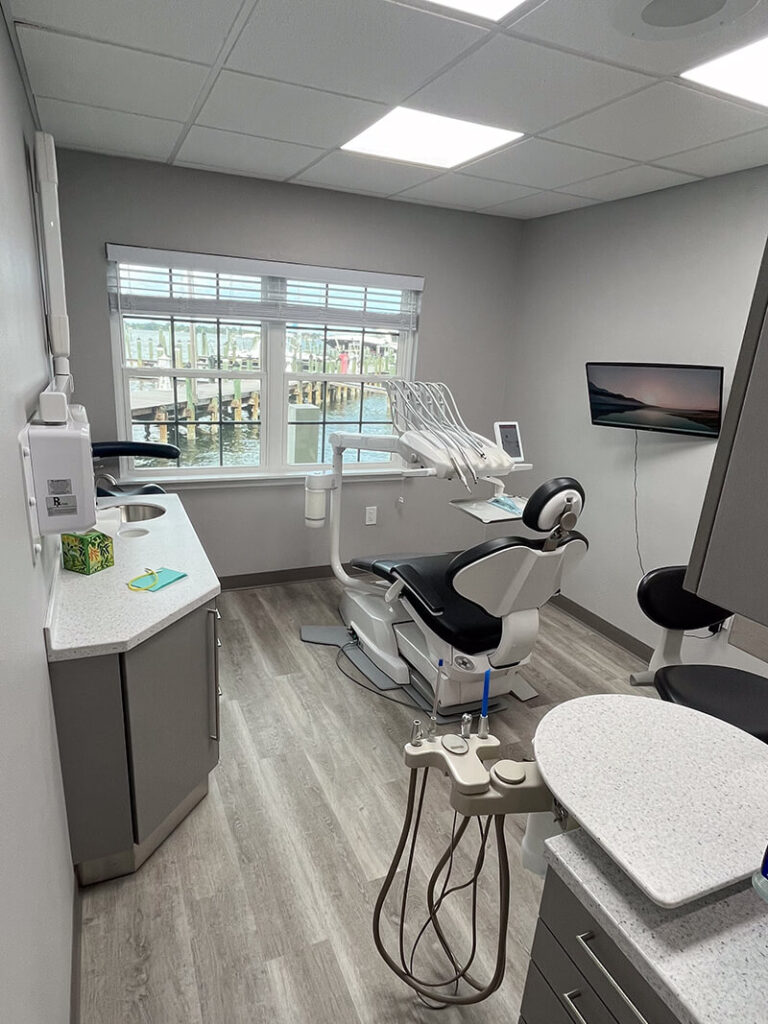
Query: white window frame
[{"x": 273, "y": 374}]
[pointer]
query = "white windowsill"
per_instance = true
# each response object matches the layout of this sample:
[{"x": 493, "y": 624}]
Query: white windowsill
[{"x": 210, "y": 480}]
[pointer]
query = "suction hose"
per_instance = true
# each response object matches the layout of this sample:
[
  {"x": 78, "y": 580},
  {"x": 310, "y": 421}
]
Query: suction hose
[{"x": 426, "y": 989}]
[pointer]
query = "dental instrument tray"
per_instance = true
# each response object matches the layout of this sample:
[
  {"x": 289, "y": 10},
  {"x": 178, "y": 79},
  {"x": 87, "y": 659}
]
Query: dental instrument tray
[{"x": 501, "y": 509}]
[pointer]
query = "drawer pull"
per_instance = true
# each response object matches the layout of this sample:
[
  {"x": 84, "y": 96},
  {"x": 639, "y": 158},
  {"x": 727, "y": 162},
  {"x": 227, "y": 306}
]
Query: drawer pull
[
  {"x": 572, "y": 1008},
  {"x": 584, "y": 940}
]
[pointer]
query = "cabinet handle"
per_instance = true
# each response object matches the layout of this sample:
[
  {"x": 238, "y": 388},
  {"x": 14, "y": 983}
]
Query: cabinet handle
[
  {"x": 583, "y": 940},
  {"x": 571, "y": 1007},
  {"x": 216, "y": 734}
]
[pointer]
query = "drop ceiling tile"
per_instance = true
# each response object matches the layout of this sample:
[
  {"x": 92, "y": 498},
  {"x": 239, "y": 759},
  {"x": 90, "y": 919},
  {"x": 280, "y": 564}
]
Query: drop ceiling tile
[
  {"x": 724, "y": 157},
  {"x": 368, "y": 174},
  {"x": 543, "y": 164},
  {"x": 632, "y": 181},
  {"x": 244, "y": 154},
  {"x": 601, "y": 29},
  {"x": 81, "y": 71},
  {"x": 459, "y": 190},
  {"x": 666, "y": 118},
  {"x": 540, "y": 204},
  {"x": 194, "y": 29},
  {"x": 108, "y": 131},
  {"x": 366, "y": 48},
  {"x": 289, "y": 113},
  {"x": 519, "y": 85}
]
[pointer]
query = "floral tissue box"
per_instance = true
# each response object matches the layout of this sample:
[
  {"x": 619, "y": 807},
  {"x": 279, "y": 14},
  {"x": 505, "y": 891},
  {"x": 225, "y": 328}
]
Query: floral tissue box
[{"x": 87, "y": 552}]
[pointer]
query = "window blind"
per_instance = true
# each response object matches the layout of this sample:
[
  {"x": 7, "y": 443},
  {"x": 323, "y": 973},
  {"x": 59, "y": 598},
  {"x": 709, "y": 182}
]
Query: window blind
[{"x": 157, "y": 282}]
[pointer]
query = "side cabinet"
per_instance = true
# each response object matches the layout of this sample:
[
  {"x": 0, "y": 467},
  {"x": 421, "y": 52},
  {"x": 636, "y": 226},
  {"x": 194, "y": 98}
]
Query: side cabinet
[
  {"x": 577, "y": 974},
  {"x": 138, "y": 734},
  {"x": 170, "y": 697}
]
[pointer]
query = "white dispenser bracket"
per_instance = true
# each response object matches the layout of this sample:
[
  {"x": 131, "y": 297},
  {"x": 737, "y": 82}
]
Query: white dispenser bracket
[{"x": 58, "y": 476}]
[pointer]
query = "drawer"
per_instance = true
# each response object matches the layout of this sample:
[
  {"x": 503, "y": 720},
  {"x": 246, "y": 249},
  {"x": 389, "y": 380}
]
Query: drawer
[
  {"x": 576, "y": 996},
  {"x": 540, "y": 1004},
  {"x": 619, "y": 985}
]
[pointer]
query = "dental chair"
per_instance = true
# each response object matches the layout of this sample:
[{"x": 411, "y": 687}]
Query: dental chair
[
  {"x": 107, "y": 486},
  {"x": 730, "y": 694},
  {"x": 453, "y": 616}
]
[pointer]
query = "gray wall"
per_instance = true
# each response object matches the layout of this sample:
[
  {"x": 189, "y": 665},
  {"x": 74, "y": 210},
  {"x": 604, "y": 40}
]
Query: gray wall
[
  {"x": 664, "y": 277},
  {"x": 467, "y": 328},
  {"x": 36, "y": 879}
]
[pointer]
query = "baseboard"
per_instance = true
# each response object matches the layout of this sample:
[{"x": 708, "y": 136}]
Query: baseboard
[
  {"x": 607, "y": 629},
  {"x": 269, "y": 579},
  {"x": 77, "y": 946}
]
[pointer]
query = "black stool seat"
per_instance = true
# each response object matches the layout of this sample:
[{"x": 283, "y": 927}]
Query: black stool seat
[{"x": 737, "y": 697}]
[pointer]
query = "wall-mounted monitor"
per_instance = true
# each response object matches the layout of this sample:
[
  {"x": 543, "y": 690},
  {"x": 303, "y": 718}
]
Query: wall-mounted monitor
[{"x": 671, "y": 398}]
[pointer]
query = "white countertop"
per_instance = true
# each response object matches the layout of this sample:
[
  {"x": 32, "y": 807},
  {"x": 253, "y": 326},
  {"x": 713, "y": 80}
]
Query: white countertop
[
  {"x": 708, "y": 961},
  {"x": 91, "y": 615},
  {"x": 677, "y": 798}
]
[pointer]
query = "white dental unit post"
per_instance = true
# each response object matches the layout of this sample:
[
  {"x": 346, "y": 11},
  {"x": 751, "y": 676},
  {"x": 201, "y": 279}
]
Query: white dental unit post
[{"x": 56, "y": 445}]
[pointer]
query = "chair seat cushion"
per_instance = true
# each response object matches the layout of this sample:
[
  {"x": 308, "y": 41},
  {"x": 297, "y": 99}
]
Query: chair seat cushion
[
  {"x": 737, "y": 697},
  {"x": 463, "y": 624}
]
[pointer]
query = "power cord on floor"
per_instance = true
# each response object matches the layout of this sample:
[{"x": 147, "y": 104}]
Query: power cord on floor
[
  {"x": 371, "y": 689},
  {"x": 637, "y": 519}
]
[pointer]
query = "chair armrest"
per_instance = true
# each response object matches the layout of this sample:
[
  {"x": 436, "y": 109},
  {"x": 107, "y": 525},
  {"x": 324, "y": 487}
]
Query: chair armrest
[
  {"x": 139, "y": 449},
  {"x": 414, "y": 581}
]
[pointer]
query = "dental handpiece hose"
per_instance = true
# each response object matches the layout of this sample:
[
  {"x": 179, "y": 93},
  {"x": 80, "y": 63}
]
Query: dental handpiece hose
[
  {"x": 432, "y": 734},
  {"x": 482, "y": 728}
]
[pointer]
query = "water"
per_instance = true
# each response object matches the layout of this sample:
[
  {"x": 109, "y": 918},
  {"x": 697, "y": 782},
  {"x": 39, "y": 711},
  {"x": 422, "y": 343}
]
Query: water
[{"x": 231, "y": 444}]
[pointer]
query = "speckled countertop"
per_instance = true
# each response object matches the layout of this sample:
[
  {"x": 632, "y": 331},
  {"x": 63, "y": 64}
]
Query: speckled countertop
[
  {"x": 708, "y": 961},
  {"x": 91, "y": 615},
  {"x": 677, "y": 798}
]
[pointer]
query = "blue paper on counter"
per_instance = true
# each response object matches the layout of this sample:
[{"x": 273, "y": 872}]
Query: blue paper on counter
[{"x": 164, "y": 579}]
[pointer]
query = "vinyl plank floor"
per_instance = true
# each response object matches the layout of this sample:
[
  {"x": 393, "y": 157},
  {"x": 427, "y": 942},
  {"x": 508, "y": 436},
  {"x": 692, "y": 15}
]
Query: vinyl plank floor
[{"x": 258, "y": 907}]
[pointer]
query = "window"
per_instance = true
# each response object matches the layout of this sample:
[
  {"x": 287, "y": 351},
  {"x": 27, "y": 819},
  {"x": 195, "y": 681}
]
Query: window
[{"x": 249, "y": 366}]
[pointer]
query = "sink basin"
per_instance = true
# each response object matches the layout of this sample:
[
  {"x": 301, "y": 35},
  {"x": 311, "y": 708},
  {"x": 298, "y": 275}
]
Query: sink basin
[{"x": 139, "y": 513}]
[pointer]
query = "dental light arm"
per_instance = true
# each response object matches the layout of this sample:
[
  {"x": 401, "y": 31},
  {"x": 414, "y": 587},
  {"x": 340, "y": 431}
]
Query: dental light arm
[
  {"x": 432, "y": 440},
  {"x": 53, "y": 402}
]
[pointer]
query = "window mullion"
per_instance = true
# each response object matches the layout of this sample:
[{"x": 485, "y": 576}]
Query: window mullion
[{"x": 274, "y": 420}]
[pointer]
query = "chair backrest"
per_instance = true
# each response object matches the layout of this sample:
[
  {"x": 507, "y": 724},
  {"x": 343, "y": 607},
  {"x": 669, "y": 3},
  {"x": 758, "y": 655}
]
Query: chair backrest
[
  {"x": 662, "y": 598},
  {"x": 512, "y": 574}
]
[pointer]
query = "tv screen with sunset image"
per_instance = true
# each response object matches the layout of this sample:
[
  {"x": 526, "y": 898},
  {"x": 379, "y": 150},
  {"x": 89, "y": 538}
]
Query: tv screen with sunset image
[{"x": 671, "y": 398}]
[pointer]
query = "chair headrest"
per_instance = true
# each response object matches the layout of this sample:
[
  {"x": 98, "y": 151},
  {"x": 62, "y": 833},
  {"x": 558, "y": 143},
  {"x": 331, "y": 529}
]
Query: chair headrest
[{"x": 550, "y": 501}]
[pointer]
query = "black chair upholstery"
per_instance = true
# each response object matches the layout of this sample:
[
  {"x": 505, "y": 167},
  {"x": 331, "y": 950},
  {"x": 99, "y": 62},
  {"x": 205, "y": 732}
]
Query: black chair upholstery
[
  {"x": 456, "y": 620},
  {"x": 662, "y": 598},
  {"x": 128, "y": 490},
  {"x": 429, "y": 585},
  {"x": 730, "y": 694},
  {"x": 134, "y": 449}
]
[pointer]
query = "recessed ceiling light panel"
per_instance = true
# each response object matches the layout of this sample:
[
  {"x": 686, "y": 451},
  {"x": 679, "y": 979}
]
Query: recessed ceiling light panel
[
  {"x": 416, "y": 137},
  {"x": 742, "y": 73},
  {"x": 494, "y": 10}
]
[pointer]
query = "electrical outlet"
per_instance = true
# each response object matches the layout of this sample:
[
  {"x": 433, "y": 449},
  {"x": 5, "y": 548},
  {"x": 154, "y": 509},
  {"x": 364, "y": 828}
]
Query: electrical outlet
[{"x": 371, "y": 514}]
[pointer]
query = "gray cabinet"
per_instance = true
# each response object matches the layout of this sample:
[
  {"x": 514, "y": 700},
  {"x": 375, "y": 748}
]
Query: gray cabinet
[
  {"x": 577, "y": 973},
  {"x": 138, "y": 734}
]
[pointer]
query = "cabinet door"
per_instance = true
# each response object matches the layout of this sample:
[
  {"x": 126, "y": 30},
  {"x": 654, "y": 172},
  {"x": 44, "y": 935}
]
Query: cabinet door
[{"x": 171, "y": 706}]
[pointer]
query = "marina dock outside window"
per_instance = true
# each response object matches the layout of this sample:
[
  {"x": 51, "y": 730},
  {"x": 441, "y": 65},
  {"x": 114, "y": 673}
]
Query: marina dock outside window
[{"x": 249, "y": 365}]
